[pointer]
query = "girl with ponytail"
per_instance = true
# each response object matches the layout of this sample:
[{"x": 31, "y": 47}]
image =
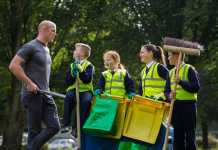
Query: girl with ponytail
[
  {"x": 154, "y": 81},
  {"x": 163, "y": 58},
  {"x": 115, "y": 80}
]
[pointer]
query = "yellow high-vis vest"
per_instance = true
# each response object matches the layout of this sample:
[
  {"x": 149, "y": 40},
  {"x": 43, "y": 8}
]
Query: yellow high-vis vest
[
  {"x": 182, "y": 94},
  {"x": 152, "y": 84},
  {"x": 82, "y": 86},
  {"x": 114, "y": 83}
]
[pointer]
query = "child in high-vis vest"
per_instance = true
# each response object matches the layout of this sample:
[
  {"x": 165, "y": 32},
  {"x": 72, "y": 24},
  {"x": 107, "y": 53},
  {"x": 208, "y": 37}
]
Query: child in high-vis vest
[
  {"x": 154, "y": 82},
  {"x": 82, "y": 67},
  {"x": 184, "y": 110},
  {"x": 115, "y": 80}
]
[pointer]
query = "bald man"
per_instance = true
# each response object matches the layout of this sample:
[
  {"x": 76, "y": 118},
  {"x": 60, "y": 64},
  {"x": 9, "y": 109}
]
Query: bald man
[{"x": 31, "y": 65}]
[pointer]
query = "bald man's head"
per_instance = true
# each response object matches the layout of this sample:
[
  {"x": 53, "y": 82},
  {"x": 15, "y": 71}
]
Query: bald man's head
[
  {"x": 47, "y": 30},
  {"x": 46, "y": 24}
]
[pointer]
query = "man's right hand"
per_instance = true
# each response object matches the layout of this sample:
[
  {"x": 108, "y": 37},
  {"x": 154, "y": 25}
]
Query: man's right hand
[{"x": 32, "y": 87}]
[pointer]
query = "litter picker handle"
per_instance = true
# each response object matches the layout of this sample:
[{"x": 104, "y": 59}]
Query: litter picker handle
[
  {"x": 78, "y": 113},
  {"x": 172, "y": 102},
  {"x": 52, "y": 93}
]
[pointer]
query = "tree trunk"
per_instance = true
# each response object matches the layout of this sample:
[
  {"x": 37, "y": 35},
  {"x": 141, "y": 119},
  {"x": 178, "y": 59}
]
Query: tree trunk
[{"x": 12, "y": 135}]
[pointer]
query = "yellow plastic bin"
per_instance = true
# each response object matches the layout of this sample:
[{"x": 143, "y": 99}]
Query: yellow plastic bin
[
  {"x": 143, "y": 120},
  {"x": 119, "y": 122}
]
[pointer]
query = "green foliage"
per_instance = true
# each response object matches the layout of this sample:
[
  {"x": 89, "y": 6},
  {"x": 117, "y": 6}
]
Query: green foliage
[
  {"x": 59, "y": 58},
  {"x": 208, "y": 95},
  {"x": 113, "y": 25},
  {"x": 4, "y": 88}
]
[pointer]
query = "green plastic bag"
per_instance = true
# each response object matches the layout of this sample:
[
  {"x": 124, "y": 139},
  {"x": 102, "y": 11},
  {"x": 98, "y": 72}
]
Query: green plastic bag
[
  {"x": 102, "y": 117},
  {"x": 131, "y": 146}
]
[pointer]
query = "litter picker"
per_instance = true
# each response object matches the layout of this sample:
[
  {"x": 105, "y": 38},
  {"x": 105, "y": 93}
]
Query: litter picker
[
  {"x": 78, "y": 112},
  {"x": 52, "y": 93}
]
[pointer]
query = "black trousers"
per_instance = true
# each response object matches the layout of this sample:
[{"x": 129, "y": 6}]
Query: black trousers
[
  {"x": 184, "y": 123},
  {"x": 70, "y": 103},
  {"x": 40, "y": 109}
]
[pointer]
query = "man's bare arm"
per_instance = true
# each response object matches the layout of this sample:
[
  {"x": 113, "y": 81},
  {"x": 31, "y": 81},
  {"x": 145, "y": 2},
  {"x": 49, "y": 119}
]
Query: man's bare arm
[{"x": 16, "y": 68}]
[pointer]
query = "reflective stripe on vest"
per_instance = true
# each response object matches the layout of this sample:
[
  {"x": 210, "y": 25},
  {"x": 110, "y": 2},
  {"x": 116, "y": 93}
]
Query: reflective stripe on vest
[
  {"x": 114, "y": 83},
  {"x": 82, "y": 86},
  {"x": 152, "y": 84},
  {"x": 182, "y": 94}
]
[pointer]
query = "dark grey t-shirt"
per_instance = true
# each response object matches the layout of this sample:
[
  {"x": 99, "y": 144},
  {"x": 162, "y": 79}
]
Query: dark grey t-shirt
[{"x": 37, "y": 63}]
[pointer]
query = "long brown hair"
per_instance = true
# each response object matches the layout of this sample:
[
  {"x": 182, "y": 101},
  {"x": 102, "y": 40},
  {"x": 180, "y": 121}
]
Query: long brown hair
[
  {"x": 163, "y": 58},
  {"x": 158, "y": 53}
]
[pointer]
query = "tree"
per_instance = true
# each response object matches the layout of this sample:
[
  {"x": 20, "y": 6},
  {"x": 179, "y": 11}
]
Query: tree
[{"x": 106, "y": 24}]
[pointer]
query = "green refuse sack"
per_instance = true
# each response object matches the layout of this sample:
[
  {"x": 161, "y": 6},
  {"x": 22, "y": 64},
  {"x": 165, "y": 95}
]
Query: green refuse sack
[
  {"x": 131, "y": 146},
  {"x": 102, "y": 116}
]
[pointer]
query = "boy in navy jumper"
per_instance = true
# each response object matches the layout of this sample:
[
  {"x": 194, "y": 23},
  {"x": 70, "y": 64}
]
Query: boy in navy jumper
[
  {"x": 85, "y": 70},
  {"x": 184, "y": 111}
]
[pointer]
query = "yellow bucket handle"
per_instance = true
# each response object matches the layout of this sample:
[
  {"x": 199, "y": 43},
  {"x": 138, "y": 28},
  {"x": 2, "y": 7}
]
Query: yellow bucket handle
[{"x": 148, "y": 103}]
